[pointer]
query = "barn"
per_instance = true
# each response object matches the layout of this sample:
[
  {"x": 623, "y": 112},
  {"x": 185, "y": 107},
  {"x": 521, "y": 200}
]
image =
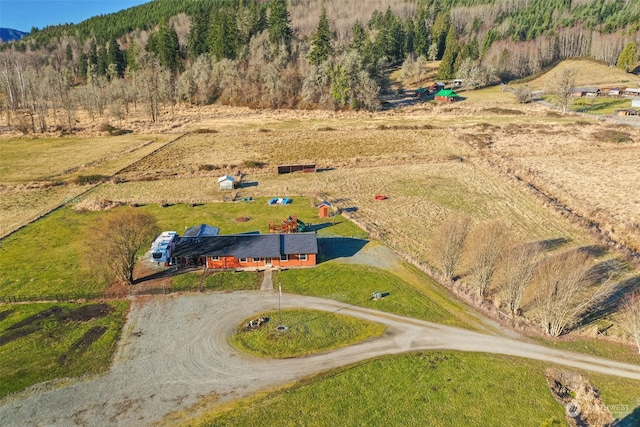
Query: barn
[
  {"x": 227, "y": 182},
  {"x": 250, "y": 251}
]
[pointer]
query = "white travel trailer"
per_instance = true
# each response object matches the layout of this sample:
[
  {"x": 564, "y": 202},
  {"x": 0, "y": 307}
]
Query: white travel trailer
[{"x": 162, "y": 247}]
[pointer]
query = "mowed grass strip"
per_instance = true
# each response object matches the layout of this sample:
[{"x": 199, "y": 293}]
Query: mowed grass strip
[
  {"x": 428, "y": 389},
  {"x": 308, "y": 332},
  {"x": 220, "y": 281},
  {"x": 55, "y": 347},
  {"x": 355, "y": 284}
]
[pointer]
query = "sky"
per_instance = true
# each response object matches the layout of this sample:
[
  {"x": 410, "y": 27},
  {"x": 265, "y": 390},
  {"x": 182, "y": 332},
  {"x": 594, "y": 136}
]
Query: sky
[{"x": 22, "y": 15}]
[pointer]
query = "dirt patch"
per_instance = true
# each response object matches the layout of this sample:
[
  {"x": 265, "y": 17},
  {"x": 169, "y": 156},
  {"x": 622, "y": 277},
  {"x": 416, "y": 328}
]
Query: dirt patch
[
  {"x": 78, "y": 347},
  {"x": 243, "y": 219},
  {"x": 33, "y": 323},
  {"x": 89, "y": 312},
  {"x": 18, "y": 333},
  {"x": 4, "y": 314},
  {"x": 37, "y": 318}
]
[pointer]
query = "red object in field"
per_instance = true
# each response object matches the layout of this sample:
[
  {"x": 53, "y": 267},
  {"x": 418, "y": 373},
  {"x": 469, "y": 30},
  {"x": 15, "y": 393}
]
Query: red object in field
[{"x": 380, "y": 197}]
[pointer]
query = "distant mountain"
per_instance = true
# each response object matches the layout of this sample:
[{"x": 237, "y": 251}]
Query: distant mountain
[{"x": 9, "y": 35}]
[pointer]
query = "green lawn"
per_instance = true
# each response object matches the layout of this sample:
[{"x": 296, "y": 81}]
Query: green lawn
[
  {"x": 51, "y": 347},
  {"x": 221, "y": 281},
  {"x": 599, "y": 105},
  {"x": 308, "y": 332},
  {"x": 427, "y": 389},
  {"x": 44, "y": 259},
  {"x": 355, "y": 284}
]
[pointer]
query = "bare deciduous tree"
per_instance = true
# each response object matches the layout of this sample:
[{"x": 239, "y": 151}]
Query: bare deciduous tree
[
  {"x": 447, "y": 243},
  {"x": 519, "y": 265},
  {"x": 112, "y": 242},
  {"x": 486, "y": 243},
  {"x": 561, "y": 86},
  {"x": 562, "y": 295},
  {"x": 629, "y": 317}
]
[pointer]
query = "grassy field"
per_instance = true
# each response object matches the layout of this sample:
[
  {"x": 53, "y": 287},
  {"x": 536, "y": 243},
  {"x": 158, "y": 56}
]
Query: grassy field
[
  {"x": 72, "y": 340},
  {"x": 430, "y": 388},
  {"x": 308, "y": 332},
  {"x": 608, "y": 350},
  {"x": 355, "y": 284}
]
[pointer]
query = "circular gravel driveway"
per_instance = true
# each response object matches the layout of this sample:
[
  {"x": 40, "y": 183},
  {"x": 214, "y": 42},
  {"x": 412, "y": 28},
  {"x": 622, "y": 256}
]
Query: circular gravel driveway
[{"x": 174, "y": 352}]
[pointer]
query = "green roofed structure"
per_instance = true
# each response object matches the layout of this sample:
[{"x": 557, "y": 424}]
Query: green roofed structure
[{"x": 447, "y": 95}]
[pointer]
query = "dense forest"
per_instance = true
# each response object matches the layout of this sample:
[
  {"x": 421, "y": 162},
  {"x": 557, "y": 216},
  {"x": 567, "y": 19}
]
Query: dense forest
[{"x": 294, "y": 54}]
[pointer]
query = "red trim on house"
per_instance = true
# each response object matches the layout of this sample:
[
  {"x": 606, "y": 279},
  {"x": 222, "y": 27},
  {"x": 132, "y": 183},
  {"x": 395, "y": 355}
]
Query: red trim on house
[{"x": 293, "y": 261}]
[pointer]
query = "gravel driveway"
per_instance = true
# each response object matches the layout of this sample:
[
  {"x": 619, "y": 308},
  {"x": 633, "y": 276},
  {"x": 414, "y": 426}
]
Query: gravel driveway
[{"x": 174, "y": 352}]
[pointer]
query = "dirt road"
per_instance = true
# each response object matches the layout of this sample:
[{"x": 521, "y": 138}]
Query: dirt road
[{"x": 174, "y": 351}]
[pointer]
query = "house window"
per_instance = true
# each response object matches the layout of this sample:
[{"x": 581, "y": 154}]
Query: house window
[
  {"x": 243, "y": 260},
  {"x": 302, "y": 257},
  {"x": 257, "y": 259},
  {"x": 215, "y": 258},
  {"x": 284, "y": 257}
]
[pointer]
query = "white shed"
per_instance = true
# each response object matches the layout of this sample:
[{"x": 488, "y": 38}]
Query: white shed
[
  {"x": 635, "y": 103},
  {"x": 226, "y": 182}
]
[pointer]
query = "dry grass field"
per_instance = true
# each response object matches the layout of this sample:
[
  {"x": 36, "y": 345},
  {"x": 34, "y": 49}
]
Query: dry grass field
[
  {"x": 39, "y": 174},
  {"x": 588, "y": 73}
]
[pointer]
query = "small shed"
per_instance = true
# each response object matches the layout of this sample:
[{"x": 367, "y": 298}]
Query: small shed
[
  {"x": 635, "y": 103},
  {"x": 447, "y": 95},
  {"x": 296, "y": 168},
  {"x": 227, "y": 182},
  {"x": 324, "y": 209}
]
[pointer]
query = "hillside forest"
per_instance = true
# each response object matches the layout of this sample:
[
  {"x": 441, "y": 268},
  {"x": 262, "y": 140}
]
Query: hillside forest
[{"x": 294, "y": 54}]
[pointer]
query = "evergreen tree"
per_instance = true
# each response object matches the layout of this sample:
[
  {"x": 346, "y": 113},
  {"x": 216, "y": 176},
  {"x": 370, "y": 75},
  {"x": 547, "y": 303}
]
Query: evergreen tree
[
  {"x": 439, "y": 32},
  {"x": 321, "y": 47},
  {"x": 83, "y": 63},
  {"x": 421, "y": 37},
  {"x": 447, "y": 65},
  {"x": 103, "y": 61},
  {"x": 133, "y": 57},
  {"x": 68, "y": 53},
  {"x": 358, "y": 37},
  {"x": 116, "y": 57},
  {"x": 409, "y": 36},
  {"x": 628, "y": 58},
  {"x": 223, "y": 34},
  {"x": 164, "y": 44},
  {"x": 197, "y": 38},
  {"x": 279, "y": 24},
  {"x": 93, "y": 53}
]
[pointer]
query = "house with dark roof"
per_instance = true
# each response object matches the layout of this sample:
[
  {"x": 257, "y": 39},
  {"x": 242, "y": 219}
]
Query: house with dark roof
[{"x": 249, "y": 251}]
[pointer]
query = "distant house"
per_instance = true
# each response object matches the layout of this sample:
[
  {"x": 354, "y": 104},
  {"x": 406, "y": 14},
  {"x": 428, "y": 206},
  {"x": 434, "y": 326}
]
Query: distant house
[
  {"x": 631, "y": 92},
  {"x": 635, "y": 103},
  {"x": 586, "y": 92},
  {"x": 615, "y": 91},
  {"x": 447, "y": 95},
  {"x": 227, "y": 182},
  {"x": 250, "y": 251}
]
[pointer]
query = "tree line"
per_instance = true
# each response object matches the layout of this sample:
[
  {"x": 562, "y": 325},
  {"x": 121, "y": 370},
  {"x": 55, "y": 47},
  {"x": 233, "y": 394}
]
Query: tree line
[
  {"x": 249, "y": 53},
  {"x": 558, "y": 290}
]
